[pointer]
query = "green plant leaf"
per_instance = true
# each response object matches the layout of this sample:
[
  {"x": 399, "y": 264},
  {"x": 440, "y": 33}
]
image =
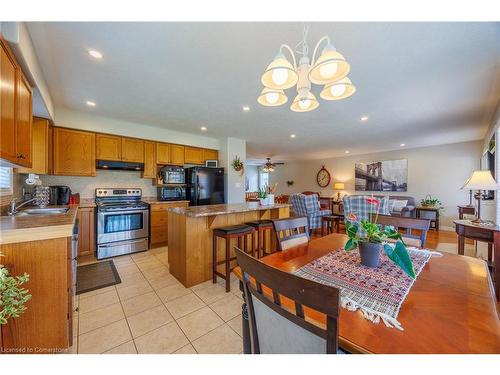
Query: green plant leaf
[
  {"x": 351, "y": 229},
  {"x": 351, "y": 244},
  {"x": 399, "y": 255}
]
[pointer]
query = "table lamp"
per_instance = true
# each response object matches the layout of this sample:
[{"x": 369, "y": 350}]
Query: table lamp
[
  {"x": 338, "y": 186},
  {"x": 480, "y": 180}
]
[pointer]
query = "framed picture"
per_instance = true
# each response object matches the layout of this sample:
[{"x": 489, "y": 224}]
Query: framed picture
[{"x": 389, "y": 175}]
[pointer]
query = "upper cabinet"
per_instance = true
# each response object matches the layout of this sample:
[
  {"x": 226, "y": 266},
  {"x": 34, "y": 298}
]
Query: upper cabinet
[
  {"x": 149, "y": 160},
  {"x": 162, "y": 153},
  {"x": 176, "y": 155},
  {"x": 193, "y": 155},
  {"x": 133, "y": 150},
  {"x": 40, "y": 147},
  {"x": 109, "y": 147},
  {"x": 74, "y": 152},
  {"x": 210, "y": 155},
  {"x": 15, "y": 110}
]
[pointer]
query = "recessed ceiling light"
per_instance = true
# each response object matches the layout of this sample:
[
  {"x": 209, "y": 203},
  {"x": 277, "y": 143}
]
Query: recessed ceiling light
[
  {"x": 364, "y": 118},
  {"x": 90, "y": 104},
  {"x": 203, "y": 128},
  {"x": 95, "y": 54},
  {"x": 402, "y": 145},
  {"x": 292, "y": 135},
  {"x": 246, "y": 108},
  {"x": 347, "y": 151}
]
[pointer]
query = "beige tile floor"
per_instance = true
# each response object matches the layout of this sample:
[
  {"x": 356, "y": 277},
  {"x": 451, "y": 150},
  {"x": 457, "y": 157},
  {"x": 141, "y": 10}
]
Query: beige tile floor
[{"x": 151, "y": 312}]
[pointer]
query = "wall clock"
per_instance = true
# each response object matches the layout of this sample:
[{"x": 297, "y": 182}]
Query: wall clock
[{"x": 323, "y": 177}]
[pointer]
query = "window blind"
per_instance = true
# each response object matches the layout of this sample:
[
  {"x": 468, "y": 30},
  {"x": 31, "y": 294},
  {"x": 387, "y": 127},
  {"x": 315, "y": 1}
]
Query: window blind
[{"x": 6, "y": 180}]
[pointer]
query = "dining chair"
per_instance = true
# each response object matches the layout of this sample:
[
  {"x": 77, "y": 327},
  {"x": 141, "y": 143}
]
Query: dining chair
[
  {"x": 291, "y": 232},
  {"x": 275, "y": 302},
  {"x": 408, "y": 223}
]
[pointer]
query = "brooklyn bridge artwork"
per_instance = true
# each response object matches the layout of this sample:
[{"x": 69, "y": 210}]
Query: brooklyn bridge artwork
[{"x": 391, "y": 175}]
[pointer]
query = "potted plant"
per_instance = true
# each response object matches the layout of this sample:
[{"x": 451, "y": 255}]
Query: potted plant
[
  {"x": 270, "y": 190},
  {"x": 371, "y": 239},
  {"x": 262, "y": 195},
  {"x": 12, "y": 297},
  {"x": 428, "y": 201},
  {"x": 237, "y": 164}
]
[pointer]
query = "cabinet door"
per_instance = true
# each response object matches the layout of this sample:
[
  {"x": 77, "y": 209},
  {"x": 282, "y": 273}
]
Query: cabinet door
[
  {"x": 193, "y": 155},
  {"x": 210, "y": 155},
  {"x": 23, "y": 121},
  {"x": 86, "y": 231},
  {"x": 7, "y": 104},
  {"x": 162, "y": 153},
  {"x": 74, "y": 152},
  {"x": 176, "y": 154},
  {"x": 109, "y": 147},
  {"x": 40, "y": 152},
  {"x": 149, "y": 160},
  {"x": 133, "y": 150}
]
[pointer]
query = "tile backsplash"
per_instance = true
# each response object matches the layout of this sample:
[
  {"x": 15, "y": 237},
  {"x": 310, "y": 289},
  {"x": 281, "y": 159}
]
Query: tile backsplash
[{"x": 105, "y": 179}]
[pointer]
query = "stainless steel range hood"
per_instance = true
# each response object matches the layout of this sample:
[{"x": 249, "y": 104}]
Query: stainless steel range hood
[{"x": 119, "y": 165}]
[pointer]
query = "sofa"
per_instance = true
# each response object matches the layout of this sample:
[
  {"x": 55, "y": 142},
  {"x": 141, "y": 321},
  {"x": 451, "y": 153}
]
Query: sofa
[{"x": 406, "y": 210}]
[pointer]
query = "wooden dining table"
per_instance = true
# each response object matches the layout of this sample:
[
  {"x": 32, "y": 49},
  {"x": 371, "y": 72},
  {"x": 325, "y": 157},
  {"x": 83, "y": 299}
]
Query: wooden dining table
[{"x": 451, "y": 307}]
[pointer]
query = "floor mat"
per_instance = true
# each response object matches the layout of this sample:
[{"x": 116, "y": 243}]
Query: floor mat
[{"x": 96, "y": 276}]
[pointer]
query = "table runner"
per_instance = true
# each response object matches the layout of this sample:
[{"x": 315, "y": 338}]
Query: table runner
[{"x": 377, "y": 292}]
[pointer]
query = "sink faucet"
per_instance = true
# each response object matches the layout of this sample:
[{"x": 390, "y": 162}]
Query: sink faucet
[{"x": 13, "y": 207}]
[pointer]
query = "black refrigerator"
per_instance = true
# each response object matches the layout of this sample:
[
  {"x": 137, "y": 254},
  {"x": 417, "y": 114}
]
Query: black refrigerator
[{"x": 205, "y": 186}]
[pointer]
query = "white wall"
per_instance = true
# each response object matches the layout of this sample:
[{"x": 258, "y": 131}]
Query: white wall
[
  {"x": 438, "y": 170},
  {"x": 88, "y": 121}
]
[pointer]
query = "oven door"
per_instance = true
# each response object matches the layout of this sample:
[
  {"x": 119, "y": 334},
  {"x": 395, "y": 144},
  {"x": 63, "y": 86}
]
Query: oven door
[{"x": 122, "y": 225}]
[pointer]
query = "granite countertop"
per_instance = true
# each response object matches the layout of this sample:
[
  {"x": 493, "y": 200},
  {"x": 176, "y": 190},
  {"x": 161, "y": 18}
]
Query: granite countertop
[
  {"x": 21, "y": 228},
  {"x": 222, "y": 209},
  {"x": 155, "y": 200},
  {"x": 86, "y": 203}
]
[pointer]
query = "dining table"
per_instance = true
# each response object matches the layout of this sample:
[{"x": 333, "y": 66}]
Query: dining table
[{"x": 451, "y": 307}]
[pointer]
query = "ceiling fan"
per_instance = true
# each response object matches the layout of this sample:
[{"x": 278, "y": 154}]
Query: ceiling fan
[{"x": 269, "y": 167}]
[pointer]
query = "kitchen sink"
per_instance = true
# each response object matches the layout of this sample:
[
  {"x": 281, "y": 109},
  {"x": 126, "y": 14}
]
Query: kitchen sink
[{"x": 43, "y": 211}]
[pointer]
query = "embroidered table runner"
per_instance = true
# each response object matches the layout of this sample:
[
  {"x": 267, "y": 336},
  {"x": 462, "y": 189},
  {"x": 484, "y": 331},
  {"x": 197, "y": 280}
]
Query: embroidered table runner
[{"x": 377, "y": 292}]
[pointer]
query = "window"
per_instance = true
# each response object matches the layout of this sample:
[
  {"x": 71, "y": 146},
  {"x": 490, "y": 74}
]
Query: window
[
  {"x": 263, "y": 179},
  {"x": 5, "y": 181}
]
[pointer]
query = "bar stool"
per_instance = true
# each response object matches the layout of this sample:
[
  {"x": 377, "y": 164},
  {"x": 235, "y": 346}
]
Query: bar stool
[
  {"x": 261, "y": 226},
  {"x": 240, "y": 232}
]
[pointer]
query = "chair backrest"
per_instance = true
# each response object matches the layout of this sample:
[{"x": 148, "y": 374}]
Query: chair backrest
[
  {"x": 408, "y": 223},
  {"x": 275, "y": 302},
  {"x": 304, "y": 205},
  {"x": 291, "y": 232},
  {"x": 360, "y": 206},
  {"x": 251, "y": 196}
]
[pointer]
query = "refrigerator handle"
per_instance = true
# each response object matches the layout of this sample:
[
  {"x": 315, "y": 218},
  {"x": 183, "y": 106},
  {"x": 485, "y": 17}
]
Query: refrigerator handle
[{"x": 197, "y": 189}]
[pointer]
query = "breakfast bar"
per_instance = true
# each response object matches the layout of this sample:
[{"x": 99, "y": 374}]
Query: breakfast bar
[{"x": 190, "y": 235}]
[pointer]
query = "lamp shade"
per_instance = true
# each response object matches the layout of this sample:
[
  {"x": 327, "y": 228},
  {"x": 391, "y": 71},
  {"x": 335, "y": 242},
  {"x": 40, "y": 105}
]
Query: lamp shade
[
  {"x": 280, "y": 74},
  {"x": 271, "y": 97},
  {"x": 481, "y": 180},
  {"x": 304, "y": 102},
  {"x": 329, "y": 67},
  {"x": 338, "y": 90},
  {"x": 339, "y": 186}
]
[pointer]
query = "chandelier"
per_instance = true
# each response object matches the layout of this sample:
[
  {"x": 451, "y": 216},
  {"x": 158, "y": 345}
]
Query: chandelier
[{"x": 330, "y": 70}]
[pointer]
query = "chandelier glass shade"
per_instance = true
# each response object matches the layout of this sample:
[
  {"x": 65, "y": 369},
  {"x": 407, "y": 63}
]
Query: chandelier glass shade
[
  {"x": 272, "y": 97},
  {"x": 329, "y": 69},
  {"x": 338, "y": 90}
]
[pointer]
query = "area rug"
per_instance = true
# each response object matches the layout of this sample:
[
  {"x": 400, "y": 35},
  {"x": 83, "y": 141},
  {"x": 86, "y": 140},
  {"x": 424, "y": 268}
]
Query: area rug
[
  {"x": 377, "y": 292},
  {"x": 96, "y": 276}
]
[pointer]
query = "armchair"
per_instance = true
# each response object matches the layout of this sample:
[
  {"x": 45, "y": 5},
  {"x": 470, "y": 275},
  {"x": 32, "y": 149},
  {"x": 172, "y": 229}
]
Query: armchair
[
  {"x": 358, "y": 205},
  {"x": 308, "y": 206}
]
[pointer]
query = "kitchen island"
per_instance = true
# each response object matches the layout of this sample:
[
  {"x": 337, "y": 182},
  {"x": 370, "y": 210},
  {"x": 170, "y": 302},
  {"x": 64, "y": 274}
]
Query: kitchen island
[{"x": 190, "y": 235}]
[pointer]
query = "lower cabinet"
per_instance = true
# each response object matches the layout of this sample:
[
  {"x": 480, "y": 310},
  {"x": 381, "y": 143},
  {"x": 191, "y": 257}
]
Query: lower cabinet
[
  {"x": 86, "y": 231},
  {"x": 159, "y": 222}
]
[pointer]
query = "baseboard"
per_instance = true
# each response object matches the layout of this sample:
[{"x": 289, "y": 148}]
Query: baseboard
[{"x": 446, "y": 228}]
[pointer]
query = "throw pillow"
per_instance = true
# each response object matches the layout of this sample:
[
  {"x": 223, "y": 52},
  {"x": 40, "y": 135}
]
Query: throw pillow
[
  {"x": 392, "y": 203},
  {"x": 399, "y": 205}
]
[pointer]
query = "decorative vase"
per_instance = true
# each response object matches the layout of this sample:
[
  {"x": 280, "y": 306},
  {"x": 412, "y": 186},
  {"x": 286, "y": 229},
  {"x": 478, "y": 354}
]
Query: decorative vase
[
  {"x": 263, "y": 201},
  {"x": 370, "y": 253},
  {"x": 270, "y": 199}
]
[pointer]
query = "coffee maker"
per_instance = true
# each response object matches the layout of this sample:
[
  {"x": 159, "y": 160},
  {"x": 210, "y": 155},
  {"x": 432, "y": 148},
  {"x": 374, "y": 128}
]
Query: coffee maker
[{"x": 59, "y": 195}]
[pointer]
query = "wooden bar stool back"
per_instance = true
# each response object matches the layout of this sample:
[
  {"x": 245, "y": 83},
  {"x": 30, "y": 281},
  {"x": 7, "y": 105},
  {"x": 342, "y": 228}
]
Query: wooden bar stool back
[
  {"x": 238, "y": 232},
  {"x": 262, "y": 227}
]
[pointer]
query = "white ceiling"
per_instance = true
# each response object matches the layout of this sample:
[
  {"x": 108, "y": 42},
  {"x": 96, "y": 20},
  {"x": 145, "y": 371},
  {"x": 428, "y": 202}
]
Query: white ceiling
[{"x": 419, "y": 83}]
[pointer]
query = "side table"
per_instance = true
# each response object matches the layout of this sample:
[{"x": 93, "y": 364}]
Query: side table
[{"x": 434, "y": 221}]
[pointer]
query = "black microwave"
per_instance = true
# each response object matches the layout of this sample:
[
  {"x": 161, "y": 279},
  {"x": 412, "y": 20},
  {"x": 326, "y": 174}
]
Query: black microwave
[{"x": 171, "y": 193}]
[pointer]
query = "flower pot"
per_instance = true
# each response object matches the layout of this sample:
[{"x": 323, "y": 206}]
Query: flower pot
[
  {"x": 270, "y": 198},
  {"x": 370, "y": 253},
  {"x": 263, "y": 201}
]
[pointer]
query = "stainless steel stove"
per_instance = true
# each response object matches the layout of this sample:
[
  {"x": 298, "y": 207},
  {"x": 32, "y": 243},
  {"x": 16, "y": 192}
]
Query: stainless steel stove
[{"x": 122, "y": 222}]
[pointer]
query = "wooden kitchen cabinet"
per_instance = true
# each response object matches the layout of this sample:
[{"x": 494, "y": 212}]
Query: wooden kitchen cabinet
[
  {"x": 210, "y": 155},
  {"x": 159, "y": 222},
  {"x": 86, "y": 231},
  {"x": 133, "y": 150},
  {"x": 40, "y": 147},
  {"x": 16, "y": 100},
  {"x": 193, "y": 155},
  {"x": 176, "y": 154},
  {"x": 109, "y": 147},
  {"x": 162, "y": 153},
  {"x": 149, "y": 160},
  {"x": 74, "y": 152}
]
